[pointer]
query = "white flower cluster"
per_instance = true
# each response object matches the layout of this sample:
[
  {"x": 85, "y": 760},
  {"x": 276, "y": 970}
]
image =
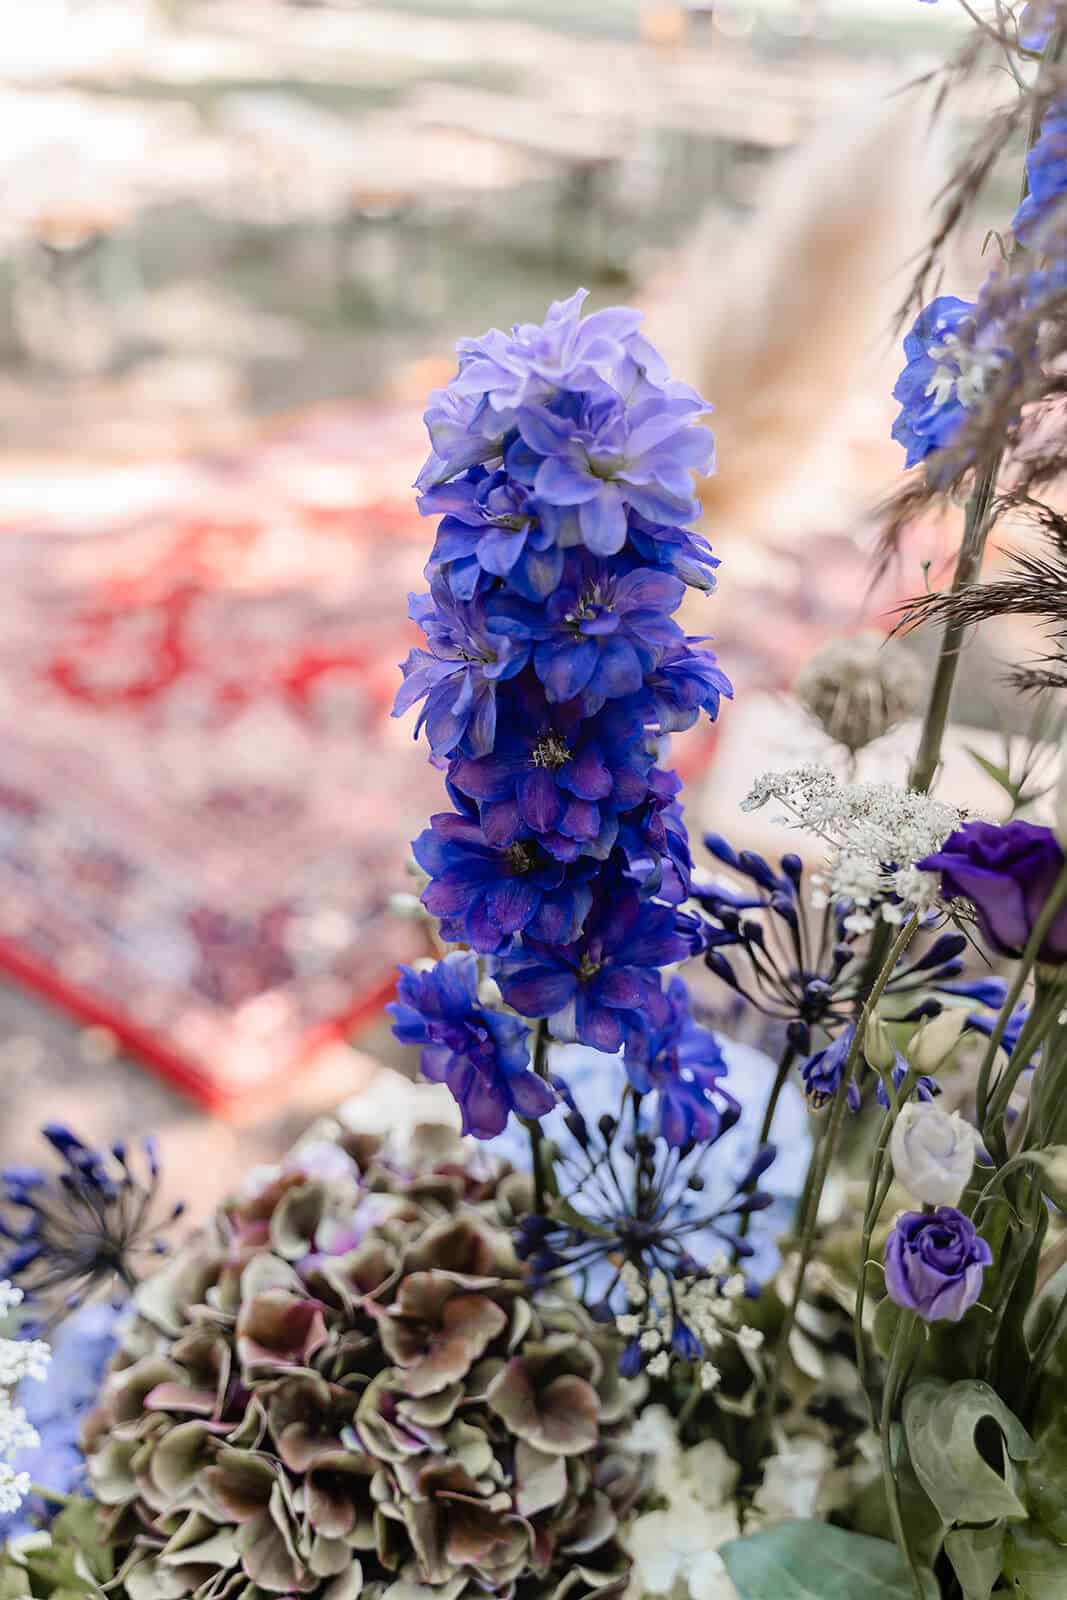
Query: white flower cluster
[
  {"x": 709, "y": 1306},
  {"x": 874, "y": 833},
  {"x": 675, "y": 1549},
  {"x": 19, "y": 1359}
]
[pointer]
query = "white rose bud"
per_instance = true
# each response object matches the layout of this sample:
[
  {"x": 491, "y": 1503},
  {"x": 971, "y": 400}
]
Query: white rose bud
[
  {"x": 933, "y": 1153},
  {"x": 933, "y": 1043}
]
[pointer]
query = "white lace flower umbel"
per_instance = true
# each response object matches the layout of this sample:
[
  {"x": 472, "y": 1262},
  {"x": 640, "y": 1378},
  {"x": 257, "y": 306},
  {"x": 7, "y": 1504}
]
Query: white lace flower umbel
[
  {"x": 19, "y": 1359},
  {"x": 874, "y": 833}
]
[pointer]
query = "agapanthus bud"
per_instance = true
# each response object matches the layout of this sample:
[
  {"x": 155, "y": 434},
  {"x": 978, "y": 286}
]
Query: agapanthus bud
[
  {"x": 933, "y": 1042},
  {"x": 933, "y": 1152},
  {"x": 859, "y": 688},
  {"x": 878, "y": 1046}
]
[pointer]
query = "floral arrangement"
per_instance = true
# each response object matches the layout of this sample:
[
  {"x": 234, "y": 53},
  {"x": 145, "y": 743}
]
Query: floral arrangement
[{"x": 620, "y": 1303}]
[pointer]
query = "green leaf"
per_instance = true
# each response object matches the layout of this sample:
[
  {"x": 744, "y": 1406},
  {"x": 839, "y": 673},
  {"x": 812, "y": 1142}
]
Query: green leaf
[
  {"x": 1000, "y": 775},
  {"x": 977, "y": 1556},
  {"x": 1037, "y": 1563},
  {"x": 816, "y": 1561},
  {"x": 1046, "y": 1478},
  {"x": 940, "y": 1421}
]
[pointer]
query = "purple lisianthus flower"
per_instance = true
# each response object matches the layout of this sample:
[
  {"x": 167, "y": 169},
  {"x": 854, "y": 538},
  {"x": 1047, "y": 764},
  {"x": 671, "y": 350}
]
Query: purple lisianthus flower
[
  {"x": 556, "y": 775},
  {"x": 605, "y": 985},
  {"x": 602, "y": 630},
  {"x": 1035, "y": 24},
  {"x": 822, "y": 1072},
  {"x": 491, "y": 528},
  {"x": 1046, "y": 171},
  {"x": 681, "y": 1063},
  {"x": 950, "y": 359},
  {"x": 684, "y": 683},
  {"x": 935, "y": 1262},
  {"x": 484, "y": 894},
  {"x": 481, "y": 1055},
  {"x": 593, "y": 452},
  {"x": 471, "y": 651},
  {"x": 1007, "y": 871}
]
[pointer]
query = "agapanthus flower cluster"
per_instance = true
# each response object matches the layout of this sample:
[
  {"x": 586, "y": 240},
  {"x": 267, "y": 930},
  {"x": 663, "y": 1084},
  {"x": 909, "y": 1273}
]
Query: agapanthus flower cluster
[
  {"x": 562, "y": 471},
  {"x": 875, "y": 833},
  {"x": 802, "y": 964},
  {"x": 91, "y": 1224}
]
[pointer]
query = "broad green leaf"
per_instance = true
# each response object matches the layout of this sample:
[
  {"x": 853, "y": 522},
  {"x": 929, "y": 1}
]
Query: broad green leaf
[
  {"x": 1000, "y": 775},
  {"x": 816, "y": 1561},
  {"x": 1046, "y": 1478},
  {"x": 940, "y": 1420},
  {"x": 1037, "y": 1563},
  {"x": 977, "y": 1556}
]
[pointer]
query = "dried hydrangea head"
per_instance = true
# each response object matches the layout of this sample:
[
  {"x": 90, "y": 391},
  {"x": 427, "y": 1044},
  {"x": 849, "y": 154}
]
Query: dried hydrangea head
[
  {"x": 858, "y": 689},
  {"x": 345, "y": 1387}
]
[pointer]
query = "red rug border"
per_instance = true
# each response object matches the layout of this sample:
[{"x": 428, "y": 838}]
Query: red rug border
[{"x": 173, "y": 1068}]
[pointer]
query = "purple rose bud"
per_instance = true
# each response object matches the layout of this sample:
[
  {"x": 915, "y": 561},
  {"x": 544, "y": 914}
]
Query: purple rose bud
[
  {"x": 934, "y": 1262},
  {"x": 1007, "y": 872}
]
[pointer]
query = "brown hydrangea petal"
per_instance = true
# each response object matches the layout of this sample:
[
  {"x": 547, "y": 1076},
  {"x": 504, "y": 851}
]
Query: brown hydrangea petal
[
  {"x": 541, "y": 1479},
  {"x": 338, "y": 1498},
  {"x": 560, "y": 1417},
  {"x": 128, "y": 1390},
  {"x": 435, "y": 1332},
  {"x": 348, "y": 1279},
  {"x": 239, "y": 1484},
  {"x": 595, "y": 1526},
  {"x": 306, "y": 1416},
  {"x": 167, "y": 1297},
  {"x": 456, "y": 1244},
  {"x": 111, "y": 1471},
  {"x": 268, "y": 1549},
  {"x": 296, "y": 1220},
  {"x": 178, "y": 1461},
  {"x": 279, "y": 1329},
  {"x": 386, "y": 1431},
  {"x": 150, "y": 1581},
  {"x": 328, "y": 1557}
]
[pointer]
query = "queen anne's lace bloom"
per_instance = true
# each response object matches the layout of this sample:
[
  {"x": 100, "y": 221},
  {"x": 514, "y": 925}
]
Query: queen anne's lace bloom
[
  {"x": 874, "y": 833},
  {"x": 19, "y": 1359}
]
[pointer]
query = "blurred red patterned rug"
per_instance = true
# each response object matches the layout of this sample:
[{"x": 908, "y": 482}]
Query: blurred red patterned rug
[{"x": 204, "y": 805}]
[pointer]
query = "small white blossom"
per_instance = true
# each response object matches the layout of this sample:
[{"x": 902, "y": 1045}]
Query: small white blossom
[
  {"x": 933, "y": 1153},
  {"x": 749, "y": 1338},
  {"x": 874, "y": 834},
  {"x": 660, "y": 1365},
  {"x": 710, "y": 1376},
  {"x": 793, "y": 1480},
  {"x": 14, "y": 1487},
  {"x": 19, "y": 1359}
]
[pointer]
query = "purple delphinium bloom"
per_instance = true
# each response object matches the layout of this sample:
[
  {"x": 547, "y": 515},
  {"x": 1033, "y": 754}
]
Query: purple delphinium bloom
[
  {"x": 950, "y": 358},
  {"x": 471, "y": 652},
  {"x": 484, "y": 894},
  {"x": 684, "y": 683},
  {"x": 822, "y": 1072},
  {"x": 682, "y": 1064},
  {"x": 1035, "y": 24},
  {"x": 935, "y": 1262},
  {"x": 676, "y": 550},
  {"x": 492, "y": 528},
  {"x": 653, "y": 843},
  {"x": 482, "y": 1056},
  {"x": 1046, "y": 171},
  {"x": 593, "y": 452},
  {"x": 557, "y": 776},
  {"x": 603, "y": 629},
  {"x": 1006, "y": 871},
  {"x": 605, "y": 984}
]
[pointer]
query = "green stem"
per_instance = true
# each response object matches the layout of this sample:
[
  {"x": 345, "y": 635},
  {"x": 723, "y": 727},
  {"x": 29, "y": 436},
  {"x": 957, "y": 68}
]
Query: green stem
[
  {"x": 781, "y": 1077},
  {"x": 1045, "y": 1346},
  {"x": 539, "y": 1156},
  {"x": 1022, "y": 972},
  {"x": 877, "y": 1188},
  {"x": 820, "y": 1167},
  {"x": 38, "y": 1491},
  {"x": 899, "y": 1361}
]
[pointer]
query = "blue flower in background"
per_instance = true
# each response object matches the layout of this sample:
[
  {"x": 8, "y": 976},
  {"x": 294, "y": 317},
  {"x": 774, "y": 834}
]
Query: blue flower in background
[
  {"x": 1035, "y": 24},
  {"x": 1046, "y": 171},
  {"x": 484, "y": 894},
  {"x": 950, "y": 361},
  {"x": 557, "y": 776},
  {"x": 471, "y": 652},
  {"x": 605, "y": 985},
  {"x": 482, "y": 1056},
  {"x": 682, "y": 1064},
  {"x": 81, "y": 1349}
]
